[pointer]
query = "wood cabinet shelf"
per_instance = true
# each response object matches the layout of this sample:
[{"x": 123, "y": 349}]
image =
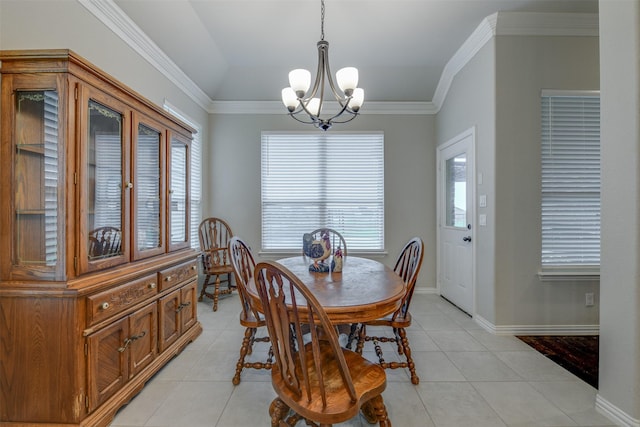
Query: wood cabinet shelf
[{"x": 95, "y": 264}]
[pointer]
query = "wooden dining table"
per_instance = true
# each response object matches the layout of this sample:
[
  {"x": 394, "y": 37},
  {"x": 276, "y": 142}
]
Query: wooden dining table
[{"x": 363, "y": 291}]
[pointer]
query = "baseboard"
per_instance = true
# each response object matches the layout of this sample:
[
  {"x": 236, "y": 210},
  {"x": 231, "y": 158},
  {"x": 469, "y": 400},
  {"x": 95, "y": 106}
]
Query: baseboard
[
  {"x": 537, "y": 329},
  {"x": 614, "y": 413},
  {"x": 425, "y": 290}
]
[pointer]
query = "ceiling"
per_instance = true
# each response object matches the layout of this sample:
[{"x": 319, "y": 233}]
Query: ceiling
[{"x": 242, "y": 50}]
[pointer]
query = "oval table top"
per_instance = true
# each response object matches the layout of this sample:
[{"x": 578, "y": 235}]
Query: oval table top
[{"x": 365, "y": 290}]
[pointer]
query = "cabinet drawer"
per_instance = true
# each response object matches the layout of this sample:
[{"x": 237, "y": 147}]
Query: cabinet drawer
[
  {"x": 178, "y": 274},
  {"x": 107, "y": 303}
]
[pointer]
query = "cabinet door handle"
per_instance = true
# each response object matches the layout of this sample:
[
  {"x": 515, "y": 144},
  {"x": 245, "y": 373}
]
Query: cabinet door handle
[
  {"x": 130, "y": 340},
  {"x": 129, "y": 184},
  {"x": 182, "y": 306},
  {"x": 137, "y": 337},
  {"x": 125, "y": 345}
]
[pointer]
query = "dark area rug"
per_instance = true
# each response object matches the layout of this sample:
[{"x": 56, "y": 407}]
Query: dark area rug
[{"x": 577, "y": 354}]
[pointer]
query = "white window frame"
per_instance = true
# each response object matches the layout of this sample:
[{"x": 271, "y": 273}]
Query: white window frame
[
  {"x": 570, "y": 142},
  {"x": 312, "y": 171}
]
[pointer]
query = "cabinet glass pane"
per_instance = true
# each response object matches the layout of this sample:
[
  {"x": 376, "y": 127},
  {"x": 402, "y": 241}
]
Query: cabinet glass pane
[
  {"x": 456, "y": 191},
  {"x": 104, "y": 182},
  {"x": 178, "y": 192},
  {"x": 147, "y": 185},
  {"x": 36, "y": 178}
]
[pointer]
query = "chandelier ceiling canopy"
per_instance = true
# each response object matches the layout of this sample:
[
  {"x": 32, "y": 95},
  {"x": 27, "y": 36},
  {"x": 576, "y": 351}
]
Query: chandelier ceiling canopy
[{"x": 302, "y": 102}]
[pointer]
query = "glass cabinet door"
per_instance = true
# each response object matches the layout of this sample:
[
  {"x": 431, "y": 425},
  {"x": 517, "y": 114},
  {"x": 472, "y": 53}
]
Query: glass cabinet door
[
  {"x": 103, "y": 195},
  {"x": 148, "y": 189},
  {"x": 37, "y": 184},
  {"x": 178, "y": 193}
]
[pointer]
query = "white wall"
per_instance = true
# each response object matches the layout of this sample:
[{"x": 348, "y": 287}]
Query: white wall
[
  {"x": 498, "y": 92},
  {"x": 471, "y": 102},
  {"x": 525, "y": 66},
  {"x": 232, "y": 163},
  {"x": 619, "y": 385}
]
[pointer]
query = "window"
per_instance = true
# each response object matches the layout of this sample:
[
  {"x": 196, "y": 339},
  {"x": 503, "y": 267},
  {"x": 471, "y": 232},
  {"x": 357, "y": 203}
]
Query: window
[
  {"x": 196, "y": 174},
  {"x": 570, "y": 180},
  {"x": 312, "y": 180}
]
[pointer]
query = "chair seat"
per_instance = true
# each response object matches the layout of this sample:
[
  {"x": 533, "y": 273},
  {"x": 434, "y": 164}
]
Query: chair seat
[
  {"x": 219, "y": 269},
  {"x": 369, "y": 380},
  {"x": 398, "y": 322},
  {"x": 249, "y": 320}
]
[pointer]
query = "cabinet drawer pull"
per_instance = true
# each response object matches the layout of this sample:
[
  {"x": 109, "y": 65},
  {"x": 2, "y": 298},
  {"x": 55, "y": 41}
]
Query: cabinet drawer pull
[
  {"x": 129, "y": 184},
  {"x": 152, "y": 285},
  {"x": 167, "y": 279},
  {"x": 193, "y": 267},
  {"x": 104, "y": 306}
]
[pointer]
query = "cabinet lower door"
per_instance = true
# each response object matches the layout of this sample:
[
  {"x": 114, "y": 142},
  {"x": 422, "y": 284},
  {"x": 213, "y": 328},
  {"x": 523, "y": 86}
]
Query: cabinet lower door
[
  {"x": 144, "y": 342},
  {"x": 169, "y": 316},
  {"x": 107, "y": 362},
  {"x": 188, "y": 300}
]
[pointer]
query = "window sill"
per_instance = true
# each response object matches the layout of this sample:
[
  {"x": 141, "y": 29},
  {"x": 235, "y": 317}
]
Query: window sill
[
  {"x": 565, "y": 275},
  {"x": 285, "y": 254}
]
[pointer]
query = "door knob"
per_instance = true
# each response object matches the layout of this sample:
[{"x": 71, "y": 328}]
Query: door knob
[{"x": 467, "y": 238}]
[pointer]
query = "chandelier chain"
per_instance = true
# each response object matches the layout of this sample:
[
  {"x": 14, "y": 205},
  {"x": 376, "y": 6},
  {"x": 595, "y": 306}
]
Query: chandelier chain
[{"x": 322, "y": 20}]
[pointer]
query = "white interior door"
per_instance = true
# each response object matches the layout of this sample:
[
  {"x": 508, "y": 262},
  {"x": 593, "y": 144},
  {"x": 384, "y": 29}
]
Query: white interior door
[{"x": 456, "y": 220}]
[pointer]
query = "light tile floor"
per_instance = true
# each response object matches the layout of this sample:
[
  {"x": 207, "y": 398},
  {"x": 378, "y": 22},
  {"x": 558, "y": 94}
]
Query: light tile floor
[{"x": 468, "y": 377}]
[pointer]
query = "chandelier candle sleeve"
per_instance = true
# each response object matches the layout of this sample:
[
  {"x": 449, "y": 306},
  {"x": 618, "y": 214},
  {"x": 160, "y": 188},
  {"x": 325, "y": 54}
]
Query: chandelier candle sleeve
[{"x": 302, "y": 99}]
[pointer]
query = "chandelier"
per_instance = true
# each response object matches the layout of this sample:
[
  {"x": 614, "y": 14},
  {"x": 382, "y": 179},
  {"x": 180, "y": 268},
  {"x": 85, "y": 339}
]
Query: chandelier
[{"x": 302, "y": 102}]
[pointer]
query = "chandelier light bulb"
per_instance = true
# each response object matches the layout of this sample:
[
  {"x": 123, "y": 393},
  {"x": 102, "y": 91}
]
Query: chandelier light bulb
[
  {"x": 357, "y": 99},
  {"x": 300, "y": 81},
  {"x": 289, "y": 99},
  {"x": 347, "y": 79},
  {"x": 314, "y": 106}
]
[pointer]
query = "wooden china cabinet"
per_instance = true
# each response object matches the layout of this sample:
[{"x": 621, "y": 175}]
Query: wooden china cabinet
[{"x": 97, "y": 278}]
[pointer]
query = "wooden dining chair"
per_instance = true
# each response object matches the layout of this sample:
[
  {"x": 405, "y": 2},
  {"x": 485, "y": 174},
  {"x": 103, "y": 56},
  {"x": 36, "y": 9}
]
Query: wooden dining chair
[
  {"x": 214, "y": 235},
  {"x": 243, "y": 266},
  {"x": 407, "y": 267},
  {"x": 105, "y": 242},
  {"x": 315, "y": 379}
]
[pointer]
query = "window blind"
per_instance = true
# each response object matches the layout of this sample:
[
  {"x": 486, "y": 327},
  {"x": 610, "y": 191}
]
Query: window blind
[
  {"x": 570, "y": 180},
  {"x": 312, "y": 180}
]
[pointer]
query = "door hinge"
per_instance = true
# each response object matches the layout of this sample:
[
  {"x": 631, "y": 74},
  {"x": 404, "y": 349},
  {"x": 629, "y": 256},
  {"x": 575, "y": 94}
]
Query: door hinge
[
  {"x": 86, "y": 349},
  {"x": 75, "y": 263},
  {"x": 75, "y": 178},
  {"x": 86, "y": 401}
]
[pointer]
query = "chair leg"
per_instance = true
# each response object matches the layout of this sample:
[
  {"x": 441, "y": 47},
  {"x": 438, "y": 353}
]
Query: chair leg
[
  {"x": 278, "y": 410},
  {"x": 247, "y": 342},
  {"x": 407, "y": 354},
  {"x": 216, "y": 293},
  {"x": 204, "y": 287},
  {"x": 362, "y": 337},
  {"x": 374, "y": 411}
]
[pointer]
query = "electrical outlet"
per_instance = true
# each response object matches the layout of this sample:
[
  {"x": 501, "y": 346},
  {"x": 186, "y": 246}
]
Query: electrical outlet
[{"x": 588, "y": 299}]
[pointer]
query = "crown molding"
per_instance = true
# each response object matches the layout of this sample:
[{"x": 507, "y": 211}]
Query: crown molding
[
  {"x": 513, "y": 24},
  {"x": 118, "y": 22},
  {"x": 276, "y": 107},
  {"x": 497, "y": 24}
]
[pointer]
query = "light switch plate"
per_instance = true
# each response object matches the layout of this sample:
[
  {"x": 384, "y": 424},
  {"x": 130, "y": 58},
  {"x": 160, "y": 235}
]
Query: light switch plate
[
  {"x": 482, "y": 219},
  {"x": 483, "y": 200}
]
